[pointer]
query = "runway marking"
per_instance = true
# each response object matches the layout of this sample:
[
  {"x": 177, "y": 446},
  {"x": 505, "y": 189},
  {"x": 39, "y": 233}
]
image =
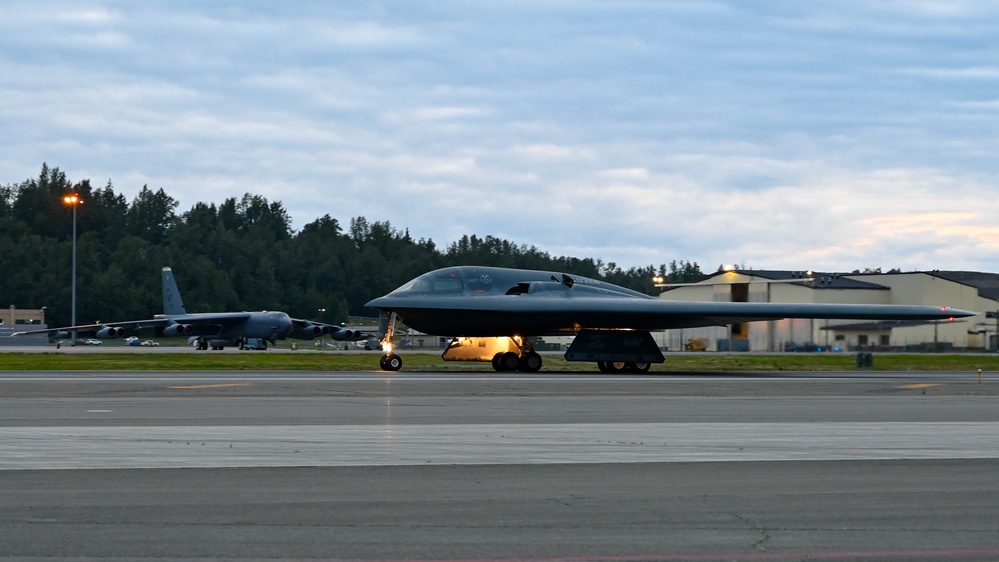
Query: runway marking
[
  {"x": 197, "y": 386},
  {"x": 98, "y": 447},
  {"x": 99, "y": 411},
  {"x": 918, "y": 386},
  {"x": 817, "y": 555}
]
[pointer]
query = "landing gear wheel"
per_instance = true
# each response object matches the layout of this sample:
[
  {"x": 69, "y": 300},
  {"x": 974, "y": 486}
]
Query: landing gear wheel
[
  {"x": 529, "y": 363},
  {"x": 508, "y": 361},
  {"x": 640, "y": 367},
  {"x": 391, "y": 362},
  {"x": 496, "y": 362},
  {"x": 611, "y": 366}
]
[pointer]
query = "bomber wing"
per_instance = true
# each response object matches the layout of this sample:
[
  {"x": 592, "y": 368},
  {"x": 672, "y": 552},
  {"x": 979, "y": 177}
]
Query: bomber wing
[
  {"x": 184, "y": 324},
  {"x": 307, "y": 330},
  {"x": 127, "y": 327},
  {"x": 529, "y": 314},
  {"x": 470, "y": 302}
]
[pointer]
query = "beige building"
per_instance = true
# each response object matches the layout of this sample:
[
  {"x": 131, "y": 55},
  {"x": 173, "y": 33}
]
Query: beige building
[
  {"x": 18, "y": 319},
  {"x": 11, "y": 316},
  {"x": 957, "y": 289}
]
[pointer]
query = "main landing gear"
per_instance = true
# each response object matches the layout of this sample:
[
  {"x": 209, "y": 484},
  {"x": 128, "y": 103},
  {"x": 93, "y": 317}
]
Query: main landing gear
[
  {"x": 529, "y": 362},
  {"x": 505, "y": 353}
]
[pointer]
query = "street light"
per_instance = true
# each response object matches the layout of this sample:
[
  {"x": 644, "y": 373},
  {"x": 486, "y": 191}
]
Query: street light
[{"x": 73, "y": 200}]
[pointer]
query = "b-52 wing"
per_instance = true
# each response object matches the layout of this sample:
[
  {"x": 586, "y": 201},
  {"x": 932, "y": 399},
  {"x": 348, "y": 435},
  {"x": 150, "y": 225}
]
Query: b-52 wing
[{"x": 307, "y": 330}]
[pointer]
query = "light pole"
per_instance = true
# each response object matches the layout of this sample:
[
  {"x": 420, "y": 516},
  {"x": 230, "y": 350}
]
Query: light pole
[
  {"x": 321, "y": 315},
  {"x": 73, "y": 199}
]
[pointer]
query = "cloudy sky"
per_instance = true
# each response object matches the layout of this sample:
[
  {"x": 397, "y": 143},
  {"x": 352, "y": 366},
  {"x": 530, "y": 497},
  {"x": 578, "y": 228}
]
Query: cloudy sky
[{"x": 771, "y": 134}]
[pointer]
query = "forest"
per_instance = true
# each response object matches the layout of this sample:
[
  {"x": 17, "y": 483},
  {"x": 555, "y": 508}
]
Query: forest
[{"x": 239, "y": 255}]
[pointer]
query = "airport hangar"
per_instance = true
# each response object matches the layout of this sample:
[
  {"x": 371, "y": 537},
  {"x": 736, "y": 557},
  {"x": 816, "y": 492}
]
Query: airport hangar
[{"x": 967, "y": 290}]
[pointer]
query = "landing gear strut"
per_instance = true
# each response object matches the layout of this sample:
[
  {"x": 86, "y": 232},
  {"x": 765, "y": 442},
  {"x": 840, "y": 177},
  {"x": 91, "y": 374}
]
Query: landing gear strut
[{"x": 386, "y": 329}]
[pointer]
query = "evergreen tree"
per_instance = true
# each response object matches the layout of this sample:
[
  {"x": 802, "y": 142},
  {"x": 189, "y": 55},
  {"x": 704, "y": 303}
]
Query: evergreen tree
[{"x": 239, "y": 255}]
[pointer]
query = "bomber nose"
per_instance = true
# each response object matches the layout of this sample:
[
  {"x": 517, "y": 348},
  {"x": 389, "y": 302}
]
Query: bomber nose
[{"x": 282, "y": 327}]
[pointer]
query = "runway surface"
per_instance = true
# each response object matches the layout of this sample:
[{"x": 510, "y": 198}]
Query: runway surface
[{"x": 463, "y": 466}]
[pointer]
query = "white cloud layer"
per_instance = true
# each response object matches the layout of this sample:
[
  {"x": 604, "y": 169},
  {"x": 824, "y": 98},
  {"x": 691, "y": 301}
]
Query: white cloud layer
[{"x": 775, "y": 134}]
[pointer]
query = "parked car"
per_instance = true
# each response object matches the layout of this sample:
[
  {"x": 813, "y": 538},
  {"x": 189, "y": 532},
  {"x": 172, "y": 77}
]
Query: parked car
[
  {"x": 150, "y": 343},
  {"x": 253, "y": 343},
  {"x": 808, "y": 347},
  {"x": 93, "y": 341}
]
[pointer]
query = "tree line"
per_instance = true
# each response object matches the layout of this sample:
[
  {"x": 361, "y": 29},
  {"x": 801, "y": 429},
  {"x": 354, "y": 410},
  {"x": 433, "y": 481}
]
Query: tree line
[{"x": 239, "y": 255}]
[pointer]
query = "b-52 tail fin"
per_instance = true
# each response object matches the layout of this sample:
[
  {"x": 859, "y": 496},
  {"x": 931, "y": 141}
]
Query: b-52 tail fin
[{"x": 172, "y": 304}]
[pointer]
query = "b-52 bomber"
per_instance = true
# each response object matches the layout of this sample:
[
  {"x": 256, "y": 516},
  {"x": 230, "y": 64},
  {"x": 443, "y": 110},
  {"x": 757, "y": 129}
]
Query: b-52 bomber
[
  {"x": 493, "y": 313},
  {"x": 209, "y": 329}
]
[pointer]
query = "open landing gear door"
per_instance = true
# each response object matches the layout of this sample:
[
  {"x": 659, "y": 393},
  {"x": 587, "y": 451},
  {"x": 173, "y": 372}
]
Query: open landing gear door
[
  {"x": 505, "y": 353},
  {"x": 614, "y": 347}
]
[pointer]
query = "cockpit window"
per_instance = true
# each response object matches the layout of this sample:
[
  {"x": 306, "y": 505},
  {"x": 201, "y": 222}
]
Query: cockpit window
[
  {"x": 436, "y": 282},
  {"x": 478, "y": 282}
]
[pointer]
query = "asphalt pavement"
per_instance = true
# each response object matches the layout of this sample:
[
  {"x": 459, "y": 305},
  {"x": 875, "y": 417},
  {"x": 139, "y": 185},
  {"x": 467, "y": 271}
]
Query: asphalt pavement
[{"x": 477, "y": 466}]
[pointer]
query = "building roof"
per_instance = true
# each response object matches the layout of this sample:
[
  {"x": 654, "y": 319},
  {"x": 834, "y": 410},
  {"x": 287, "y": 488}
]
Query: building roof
[
  {"x": 818, "y": 280},
  {"x": 986, "y": 283}
]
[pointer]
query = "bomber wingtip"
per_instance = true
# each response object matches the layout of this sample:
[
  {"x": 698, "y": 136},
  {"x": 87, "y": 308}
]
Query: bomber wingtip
[{"x": 957, "y": 312}]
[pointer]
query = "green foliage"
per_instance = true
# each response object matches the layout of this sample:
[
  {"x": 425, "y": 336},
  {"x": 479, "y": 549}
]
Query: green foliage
[{"x": 239, "y": 255}]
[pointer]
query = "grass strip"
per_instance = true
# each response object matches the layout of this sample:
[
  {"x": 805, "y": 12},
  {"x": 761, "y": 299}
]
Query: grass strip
[{"x": 308, "y": 360}]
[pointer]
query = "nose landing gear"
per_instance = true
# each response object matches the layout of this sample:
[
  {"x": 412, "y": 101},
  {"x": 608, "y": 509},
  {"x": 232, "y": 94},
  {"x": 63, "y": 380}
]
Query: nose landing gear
[
  {"x": 390, "y": 362},
  {"x": 386, "y": 329}
]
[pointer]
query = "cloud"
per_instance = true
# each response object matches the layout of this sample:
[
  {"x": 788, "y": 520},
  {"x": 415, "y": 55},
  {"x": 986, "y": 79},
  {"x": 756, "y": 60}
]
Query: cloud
[{"x": 777, "y": 134}]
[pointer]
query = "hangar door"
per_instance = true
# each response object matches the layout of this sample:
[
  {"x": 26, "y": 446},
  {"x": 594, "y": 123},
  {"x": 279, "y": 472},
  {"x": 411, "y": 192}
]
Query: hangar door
[{"x": 739, "y": 333}]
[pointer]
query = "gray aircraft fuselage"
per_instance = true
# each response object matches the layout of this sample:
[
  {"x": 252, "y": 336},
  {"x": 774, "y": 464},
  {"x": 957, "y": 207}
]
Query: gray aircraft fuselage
[{"x": 227, "y": 328}]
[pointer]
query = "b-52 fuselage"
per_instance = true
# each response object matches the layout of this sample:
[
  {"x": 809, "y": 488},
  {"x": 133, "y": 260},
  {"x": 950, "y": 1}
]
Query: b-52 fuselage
[{"x": 493, "y": 312}]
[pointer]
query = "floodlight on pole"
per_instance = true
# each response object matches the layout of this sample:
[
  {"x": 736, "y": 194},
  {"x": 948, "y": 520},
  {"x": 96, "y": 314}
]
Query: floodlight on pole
[{"x": 73, "y": 200}]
